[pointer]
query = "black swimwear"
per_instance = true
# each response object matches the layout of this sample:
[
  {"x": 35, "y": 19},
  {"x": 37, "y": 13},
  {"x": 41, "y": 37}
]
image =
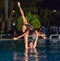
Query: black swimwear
[
  {"x": 28, "y": 26},
  {"x": 32, "y": 36},
  {"x": 31, "y": 32}
]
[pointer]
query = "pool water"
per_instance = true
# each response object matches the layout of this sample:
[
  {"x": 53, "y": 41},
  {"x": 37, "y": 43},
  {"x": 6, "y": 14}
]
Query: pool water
[{"x": 14, "y": 51}]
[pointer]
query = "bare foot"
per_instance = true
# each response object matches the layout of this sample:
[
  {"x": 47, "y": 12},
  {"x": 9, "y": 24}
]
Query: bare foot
[{"x": 18, "y": 4}]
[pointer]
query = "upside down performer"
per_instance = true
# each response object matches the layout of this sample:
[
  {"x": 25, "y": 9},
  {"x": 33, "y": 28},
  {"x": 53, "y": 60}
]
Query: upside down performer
[{"x": 27, "y": 30}]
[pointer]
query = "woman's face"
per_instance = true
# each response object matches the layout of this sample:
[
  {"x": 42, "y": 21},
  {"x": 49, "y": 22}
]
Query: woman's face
[{"x": 30, "y": 45}]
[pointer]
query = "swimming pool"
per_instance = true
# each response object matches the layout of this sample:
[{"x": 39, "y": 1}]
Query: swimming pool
[{"x": 14, "y": 51}]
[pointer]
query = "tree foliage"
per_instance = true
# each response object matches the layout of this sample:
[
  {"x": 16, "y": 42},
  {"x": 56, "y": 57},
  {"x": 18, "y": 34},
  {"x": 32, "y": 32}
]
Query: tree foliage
[{"x": 32, "y": 19}]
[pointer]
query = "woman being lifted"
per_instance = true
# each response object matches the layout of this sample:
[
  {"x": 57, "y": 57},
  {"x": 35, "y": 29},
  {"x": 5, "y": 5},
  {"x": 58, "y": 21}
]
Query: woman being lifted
[{"x": 27, "y": 29}]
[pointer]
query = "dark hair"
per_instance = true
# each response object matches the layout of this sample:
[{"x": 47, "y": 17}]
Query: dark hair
[
  {"x": 29, "y": 42},
  {"x": 28, "y": 26}
]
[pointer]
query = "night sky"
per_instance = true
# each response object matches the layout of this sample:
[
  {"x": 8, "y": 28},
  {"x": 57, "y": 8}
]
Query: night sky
[
  {"x": 54, "y": 5},
  {"x": 51, "y": 4}
]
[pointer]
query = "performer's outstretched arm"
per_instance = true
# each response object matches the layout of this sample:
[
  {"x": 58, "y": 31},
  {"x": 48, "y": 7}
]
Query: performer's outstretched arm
[
  {"x": 15, "y": 38},
  {"x": 22, "y": 13},
  {"x": 42, "y": 35}
]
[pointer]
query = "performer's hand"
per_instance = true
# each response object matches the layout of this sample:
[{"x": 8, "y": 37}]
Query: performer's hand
[
  {"x": 44, "y": 37},
  {"x": 18, "y": 4},
  {"x": 14, "y": 38}
]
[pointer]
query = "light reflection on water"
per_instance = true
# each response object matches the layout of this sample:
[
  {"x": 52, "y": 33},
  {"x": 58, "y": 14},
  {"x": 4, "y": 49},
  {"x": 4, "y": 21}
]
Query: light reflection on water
[
  {"x": 30, "y": 55},
  {"x": 10, "y": 52}
]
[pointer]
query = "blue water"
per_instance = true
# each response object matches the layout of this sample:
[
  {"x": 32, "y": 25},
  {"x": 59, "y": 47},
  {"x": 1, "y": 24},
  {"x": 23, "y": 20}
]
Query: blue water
[{"x": 14, "y": 51}]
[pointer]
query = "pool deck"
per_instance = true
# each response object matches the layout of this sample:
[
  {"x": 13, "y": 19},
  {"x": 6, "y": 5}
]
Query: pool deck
[{"x": 6, "y": 39}]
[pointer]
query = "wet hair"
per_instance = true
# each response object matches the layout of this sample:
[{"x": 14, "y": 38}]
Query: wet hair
[{"x": 29, "y": 42}]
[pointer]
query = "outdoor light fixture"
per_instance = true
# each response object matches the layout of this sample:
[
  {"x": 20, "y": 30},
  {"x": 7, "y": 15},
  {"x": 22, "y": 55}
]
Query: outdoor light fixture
[
  {"x": 13, "y": 24},
  {"x": 13, "y": 11},
  {"x": 54, "y": 10}
]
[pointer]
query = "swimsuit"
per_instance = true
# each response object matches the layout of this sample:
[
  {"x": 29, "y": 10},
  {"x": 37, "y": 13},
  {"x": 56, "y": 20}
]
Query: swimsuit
[
  {"x": 32, "y": 35},
  {"x": 28, "y": 26}
]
